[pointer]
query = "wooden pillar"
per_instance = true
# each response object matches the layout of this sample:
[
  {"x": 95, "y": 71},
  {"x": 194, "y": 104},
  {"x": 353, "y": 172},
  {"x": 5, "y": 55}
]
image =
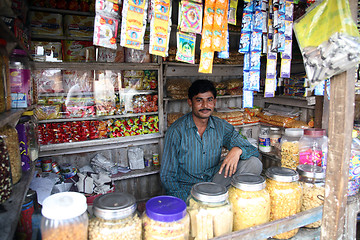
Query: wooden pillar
[{"x": 318, "y": 111}]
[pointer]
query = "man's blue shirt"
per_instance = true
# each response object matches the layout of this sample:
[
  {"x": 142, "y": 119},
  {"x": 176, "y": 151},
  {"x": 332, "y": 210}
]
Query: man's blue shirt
[{"x": 190, "y": 159}]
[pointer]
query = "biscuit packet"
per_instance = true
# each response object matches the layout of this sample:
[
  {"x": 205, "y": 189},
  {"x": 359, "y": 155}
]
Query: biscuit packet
[{"x": 105, "y": 31}]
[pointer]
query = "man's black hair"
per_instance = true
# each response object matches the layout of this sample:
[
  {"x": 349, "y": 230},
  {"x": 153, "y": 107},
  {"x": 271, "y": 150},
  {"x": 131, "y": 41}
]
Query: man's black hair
[{"x": 201, "y": 86}]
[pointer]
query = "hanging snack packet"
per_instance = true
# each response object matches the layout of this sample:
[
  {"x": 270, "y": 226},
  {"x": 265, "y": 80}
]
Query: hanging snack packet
[
  {"x": 225, "y": 54},
  {"x": 248, "y": 99},
  {"x": 133, "y": 24},
  {"x": 207, "y": 31},
  {"x": 107, "y": 8},
  {"x": 105, "y": 31},
  {"x": 206, "y": 62},
  {"x": 232, "y": 12},
  {"x": 244, "y": 46},
  {"x": 160, "y": 27},
  {"x": 270, "y": 87},
  {"x": 186, "y": 47},
  {"x": 191, "y": 17}
]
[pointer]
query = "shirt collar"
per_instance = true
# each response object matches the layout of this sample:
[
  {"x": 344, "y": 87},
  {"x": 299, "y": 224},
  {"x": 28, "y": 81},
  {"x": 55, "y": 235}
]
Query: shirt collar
[{"x": 191, "y": 124}]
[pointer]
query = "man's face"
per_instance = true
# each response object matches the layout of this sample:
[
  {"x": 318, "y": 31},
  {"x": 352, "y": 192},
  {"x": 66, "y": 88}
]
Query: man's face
[{"x": 202, "y": 105}]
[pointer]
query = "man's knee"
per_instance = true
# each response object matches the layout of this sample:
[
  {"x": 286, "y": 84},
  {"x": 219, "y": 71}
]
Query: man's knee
[{"x": 251, "y": 165}]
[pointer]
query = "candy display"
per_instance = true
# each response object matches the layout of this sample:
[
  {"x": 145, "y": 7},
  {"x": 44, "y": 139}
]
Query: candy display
[
  {"x": 210, "y": 211},
  {"x": 250, "y": 201},
  {"x": 144, "y": 103},
  {"x": 43, "y": 23},
  {"x": 285, "y": 195},
  {"x": 313, "y": 147}
]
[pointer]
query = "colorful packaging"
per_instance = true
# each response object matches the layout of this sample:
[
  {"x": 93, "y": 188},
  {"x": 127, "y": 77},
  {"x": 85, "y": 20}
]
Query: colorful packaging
[
  {"x": 105, "y": 31},
  {"x": 110, "y": 55},
  {"x": 107, "y": 8},
  {"x": 78, "y": 26},
  {"x": 48, "y": 81},
  {"x": 138, "y": 56},
  {"x": 190, "y": 17},
  {"x": 46, "y": 51},
  {"x": 78, "y": 51},
  {"x": 43, "y": 23},
  {"x": 186, "y": 47},
  {"x": 76, "y": 81}
]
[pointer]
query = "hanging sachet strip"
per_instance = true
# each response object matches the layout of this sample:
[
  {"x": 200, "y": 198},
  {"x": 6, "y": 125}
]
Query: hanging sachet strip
[{"x": 185, "y": 47}]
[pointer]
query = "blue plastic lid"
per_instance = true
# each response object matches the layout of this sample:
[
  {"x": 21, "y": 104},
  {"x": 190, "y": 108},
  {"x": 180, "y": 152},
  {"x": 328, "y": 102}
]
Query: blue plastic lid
[{"x": 166, "y": 208}]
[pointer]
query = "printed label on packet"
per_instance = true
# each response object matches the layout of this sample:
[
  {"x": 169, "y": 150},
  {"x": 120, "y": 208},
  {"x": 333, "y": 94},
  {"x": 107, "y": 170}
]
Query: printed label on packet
[
  {"x": 244, "y": 45},
  {"x": 247, "y": 63},
  {"x": 270, "y": 87},
  {"x": 206, "y": 62},
  {"x": 258, "y": 21},
  {"x": 285, "y": 68},
  {"x": 105, "y": 32},
  {"x": 256, "y": 41},
  {"x": 271, "y": 68},
  {"x": 248, "y": 99},
  {"x": 185, "y": 47},
  {"x": 255, "y": 60}
]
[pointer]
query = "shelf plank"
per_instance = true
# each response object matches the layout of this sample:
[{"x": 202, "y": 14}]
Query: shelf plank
[
  {"x": 97, "y": 117},
  {"x": 62, "y": 11},
  {"x": 136, "y": 173},
  {"x": 11, "y": 117},
  {"x": 301, "y": 102},
  {"x": 37, "y": 37},
  {"x": 9, "y": 218},
  {"x": 197, "y": 65},
  {"x": 95, "y": 66},
  {"x": 169, "y": 99}
]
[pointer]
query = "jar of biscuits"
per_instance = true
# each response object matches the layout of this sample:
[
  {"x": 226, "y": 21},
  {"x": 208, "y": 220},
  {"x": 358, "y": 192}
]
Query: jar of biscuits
[
  {"x": 285, "y": 195},
  {"x": 290, "y": 147},
  {"x": 115, "y": 217},
  {"x": 312, "y": 180},
  {"x": 250, "y": 201},
  {"x": 209, "y": 210},
  {"x": 165, "y": 218}
]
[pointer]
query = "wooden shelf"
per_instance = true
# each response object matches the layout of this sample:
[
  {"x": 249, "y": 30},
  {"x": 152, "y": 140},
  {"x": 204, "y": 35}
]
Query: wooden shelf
[
  {"x": 11, "y": 117},
  {"x": 169, "y": 99},
  {"x": 12, "y": 207},
  {"x": 61, "y": 11},
  {"x": 58, "y": 38},
  {"x": 136, "y": 173},
  {"x": 197, "y": 65},
  {"x": 95, "y": 66}
]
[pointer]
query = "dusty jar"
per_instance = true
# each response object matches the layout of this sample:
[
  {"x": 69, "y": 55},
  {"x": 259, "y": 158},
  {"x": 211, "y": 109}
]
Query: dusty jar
[
  {"x": 64, "y": 217},
  {"x": 250, "y": 201},
  {"x": 165, "y": 218},
  {"x": 312, "y": 180},
  {"x": 209, "y": 210},
  {"x": 115, "y": 217},
  {"x": 290, "y": 147},
  {"x": 285, "y": 195}
]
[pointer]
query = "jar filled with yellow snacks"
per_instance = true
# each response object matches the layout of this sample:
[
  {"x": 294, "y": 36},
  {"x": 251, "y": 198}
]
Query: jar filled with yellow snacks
[
  {"x": 290, "y": 147},
  {"x": 285, "y": 195},
  {"x": 165, "y": 218},
  {"x": 115, "y": 217},
  {"x": 250, "y": 201},
  {"x": 312, "y": 180},
  {"x": 209, "y": 210},
  {"x": 64, "y": 217}
]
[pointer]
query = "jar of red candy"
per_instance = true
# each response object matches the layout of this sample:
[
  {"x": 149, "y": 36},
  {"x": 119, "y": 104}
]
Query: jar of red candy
[{"x": 313, "y": 147}]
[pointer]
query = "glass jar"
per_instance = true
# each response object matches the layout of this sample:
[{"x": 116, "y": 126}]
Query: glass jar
[
  {"x": 165, "y": 217},
  {"x": 115, "y": 217},
  {"x": 12, "y": 145},
  {"x": 313, "y": 147},
  {"x": 250, "y": 201},
  {"x": 264, "y": 139},
  {"x": 285, "y": 195},
  {"x": 209, "y": 210},
  {"x": 312, "y": 180},
  {"x": 275, "y": 136},
  {"x": 32, "y": 136},
  {"x": 5, "y": 172},
  {"x": 64, "y": 217},
  {"x": 21, "y": 94},
  {"x": 290, "y": 147},
  {"x": 2, "y": 75}
]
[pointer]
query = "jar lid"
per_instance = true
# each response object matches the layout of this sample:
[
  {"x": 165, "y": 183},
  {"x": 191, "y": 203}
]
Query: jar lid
[
  {"x": 64, "y": 205},
  {"x": 115, "y": 205},
  {"x": 314, "y": 132},
  {"x": 311, "y": 171},
  {"x": 274, "y": 128},
  {"x": 294, "y": 132},
  {"x": 249, "y": 182},
  {"x": 209, "y": 192},
  {"x": 2, "y": 42},
  {"x": 166, "y": 208},
  {"x": 282, "y": 174},
  {"x": 18, "y": 52}
]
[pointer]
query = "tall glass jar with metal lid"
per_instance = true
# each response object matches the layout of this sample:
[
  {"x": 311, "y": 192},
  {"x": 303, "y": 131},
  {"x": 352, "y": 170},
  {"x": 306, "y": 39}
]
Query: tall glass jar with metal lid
[
  {"x": 210, "y": 211},
  {"x": 285, "y": 195},
  {"x": 165, "y": 218},
  {"x": 64, "y": 217},
  {"x": 115, "y": 217},
  {"x": 290, "y": 147},
  {"x": 250, "y": 201},
  {"x": 312, "y": 180}
]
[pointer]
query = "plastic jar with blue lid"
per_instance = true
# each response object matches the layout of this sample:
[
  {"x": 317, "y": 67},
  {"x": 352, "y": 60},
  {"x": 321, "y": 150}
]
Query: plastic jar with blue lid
[{"x": 166, "y": 218}]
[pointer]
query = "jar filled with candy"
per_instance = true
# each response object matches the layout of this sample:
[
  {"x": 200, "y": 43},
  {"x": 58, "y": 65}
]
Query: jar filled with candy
[{"x": 290, "y": 147}]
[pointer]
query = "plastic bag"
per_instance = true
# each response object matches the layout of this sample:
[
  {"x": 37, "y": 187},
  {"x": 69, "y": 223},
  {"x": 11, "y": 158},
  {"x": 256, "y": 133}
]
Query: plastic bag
[{"x": 329, "y": 40}]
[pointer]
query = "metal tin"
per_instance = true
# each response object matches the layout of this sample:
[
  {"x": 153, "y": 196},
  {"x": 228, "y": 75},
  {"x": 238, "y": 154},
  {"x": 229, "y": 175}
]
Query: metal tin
[
  {"x": 311, "y": 173},
  {"x": 209, "y": 192},
  {"x": 55, "y": 167},
  {"x": 249, "y": 182},
  {"x": 46, "y": 165},
  {"x": 115, "y": 205},
  {"x": 155, "y": 159},
  {"x": 282, "y": 174}
]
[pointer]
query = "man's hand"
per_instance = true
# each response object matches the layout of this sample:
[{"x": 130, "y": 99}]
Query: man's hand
[{"x": 230, "y": 163}]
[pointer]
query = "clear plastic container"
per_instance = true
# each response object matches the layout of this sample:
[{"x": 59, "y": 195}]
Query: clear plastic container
[
  {"x": 285, "y": 195},
  {"x": 209, "y": 210},
  {"x": 115, "y": 217},
  {"x": 275, "y": 136},
  {"x": 5, "y": 172},
  {"x": 290, "y": 147},
  {"x": 166, "y": 218},
  {"x": 64, "y": 217},
  {"x": 312, "y": 180},
  {"x": 250, "y": 201},
  {"x": 20, "y": 80},
  {"x": 264, "y": 139},
  {"x": 313, "y": 147},
  {"x": 33, "y": 136}
]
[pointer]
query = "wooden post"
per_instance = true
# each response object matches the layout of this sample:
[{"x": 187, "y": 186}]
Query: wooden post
[{"x": 341, "y": 118}]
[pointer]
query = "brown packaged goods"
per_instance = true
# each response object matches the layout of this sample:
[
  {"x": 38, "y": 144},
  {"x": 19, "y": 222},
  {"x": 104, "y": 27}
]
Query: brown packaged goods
[
  {"x": 43, "y": 23},
  {"x": 234, "y": 83},
  {"x": 222, "y": 115},
  {"x": 78, "y": 51},
  {"x": 78, "y": 26},
  {"x": 177, "y": 88},
  {"x": 12, "y": 144},
  {"x": 172, "y": 117}
]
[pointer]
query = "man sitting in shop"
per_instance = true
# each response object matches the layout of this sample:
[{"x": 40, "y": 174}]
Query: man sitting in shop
[{"x": 193, "y": 144}]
